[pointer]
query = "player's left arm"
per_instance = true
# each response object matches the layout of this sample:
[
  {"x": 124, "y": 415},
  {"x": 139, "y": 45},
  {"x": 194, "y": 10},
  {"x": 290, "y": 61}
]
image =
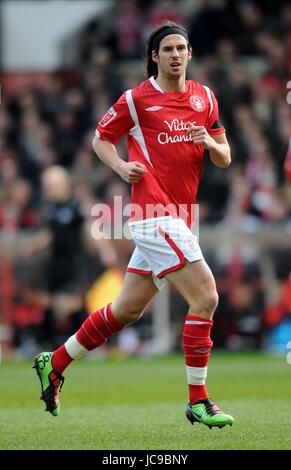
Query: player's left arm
[
  {"x": 217, "y": 145},
  {"x": 212, "y": 136},
  {"x": 219, "y": 150}
]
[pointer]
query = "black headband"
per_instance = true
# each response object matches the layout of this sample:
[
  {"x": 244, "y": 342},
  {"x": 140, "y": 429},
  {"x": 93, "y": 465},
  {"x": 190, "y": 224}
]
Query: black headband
[{"x": 155, "y": 42}]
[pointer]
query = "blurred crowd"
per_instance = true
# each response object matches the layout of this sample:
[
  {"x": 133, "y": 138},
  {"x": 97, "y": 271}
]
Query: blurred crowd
[{"x": 50, "y": 179}]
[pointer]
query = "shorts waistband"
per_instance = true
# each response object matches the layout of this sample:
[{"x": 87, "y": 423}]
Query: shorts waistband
[{"x": 157, "y": 219}]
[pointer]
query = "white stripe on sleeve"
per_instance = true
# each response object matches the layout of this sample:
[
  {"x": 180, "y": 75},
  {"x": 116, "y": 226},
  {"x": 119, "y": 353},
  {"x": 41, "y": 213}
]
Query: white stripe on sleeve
[
  {"x": 136, "y": 131},
  {"x": 210, "y": 99}
]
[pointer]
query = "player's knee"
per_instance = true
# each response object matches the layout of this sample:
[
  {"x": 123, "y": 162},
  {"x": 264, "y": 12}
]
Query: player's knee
[
  {"x": 134, "y": 313},
  {"x": 206, "y": 304},
  {"x": 127, "y": 313},
  {"x": 212, "y": 301}
]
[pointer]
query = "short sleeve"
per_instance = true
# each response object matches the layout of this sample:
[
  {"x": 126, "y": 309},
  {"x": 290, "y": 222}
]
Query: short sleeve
[
  {"x": 213, "y": 126},
  {"x": 116, "y": 122}
]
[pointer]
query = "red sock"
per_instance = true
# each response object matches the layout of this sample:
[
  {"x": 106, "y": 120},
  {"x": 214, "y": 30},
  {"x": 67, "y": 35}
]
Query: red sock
[
  {"x": 97, "y": 328},
  {"x": 61, "y": 359},
  {"x": 197, "y": 345}
]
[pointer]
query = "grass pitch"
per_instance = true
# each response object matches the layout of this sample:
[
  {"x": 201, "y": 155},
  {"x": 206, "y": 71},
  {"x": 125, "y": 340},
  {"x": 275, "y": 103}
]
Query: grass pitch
[{"x": 139, "y": 404}]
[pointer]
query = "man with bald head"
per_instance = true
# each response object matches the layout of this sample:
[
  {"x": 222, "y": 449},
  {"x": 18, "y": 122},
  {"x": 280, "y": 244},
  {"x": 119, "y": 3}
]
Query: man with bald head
[
  {"x": 56, "y": 184},
  {"x": 64, "y": 221},
  {"x": 60, "y": 235}
]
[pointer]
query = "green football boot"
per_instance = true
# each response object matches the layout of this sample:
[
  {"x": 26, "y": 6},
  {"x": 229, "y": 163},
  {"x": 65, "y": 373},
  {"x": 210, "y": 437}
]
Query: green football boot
[
  {"x": 51, "y": 382},
  {"x": 206, "y": 412}
]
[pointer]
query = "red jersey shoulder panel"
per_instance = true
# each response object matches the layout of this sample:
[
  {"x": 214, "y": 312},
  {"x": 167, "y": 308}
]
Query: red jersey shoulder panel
[
  {"x": 116, "y": 122},
  {"x": 204, "y": 98}
]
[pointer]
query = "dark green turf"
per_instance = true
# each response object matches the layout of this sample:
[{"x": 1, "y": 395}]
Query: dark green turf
[{"x": 139, "y": 404}]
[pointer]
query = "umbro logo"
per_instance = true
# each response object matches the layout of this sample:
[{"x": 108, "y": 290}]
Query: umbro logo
[{"x": 154, "y": 108}]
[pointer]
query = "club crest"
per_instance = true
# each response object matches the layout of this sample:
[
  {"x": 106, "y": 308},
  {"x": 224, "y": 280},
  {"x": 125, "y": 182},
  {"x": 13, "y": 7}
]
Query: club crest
[{"x": 197, "y": 103}]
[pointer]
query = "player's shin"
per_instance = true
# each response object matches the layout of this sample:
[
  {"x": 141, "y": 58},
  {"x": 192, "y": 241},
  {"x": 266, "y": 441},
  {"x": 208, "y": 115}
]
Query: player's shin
[
  {"x": 197, "y": 346},
  {"x": 94, "y": 332}
]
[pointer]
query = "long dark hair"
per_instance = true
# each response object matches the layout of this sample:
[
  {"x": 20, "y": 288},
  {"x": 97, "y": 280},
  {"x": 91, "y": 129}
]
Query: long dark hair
[{"x": 151, "y": 66}]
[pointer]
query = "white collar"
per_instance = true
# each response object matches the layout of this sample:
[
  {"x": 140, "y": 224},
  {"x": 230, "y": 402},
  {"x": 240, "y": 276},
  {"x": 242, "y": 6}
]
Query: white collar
[{"x": 155, "y": 84}]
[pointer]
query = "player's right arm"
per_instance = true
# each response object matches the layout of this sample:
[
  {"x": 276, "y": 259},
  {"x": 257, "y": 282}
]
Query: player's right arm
[
  {"x": 131, "y": 172},
  {"x": 116, "y": 122}
]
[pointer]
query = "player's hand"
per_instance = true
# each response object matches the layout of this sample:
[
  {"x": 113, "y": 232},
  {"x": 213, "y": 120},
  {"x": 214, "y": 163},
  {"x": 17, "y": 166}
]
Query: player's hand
[
  {"x": 200, "y": 136},
  {"x": 131, "y": 172}
]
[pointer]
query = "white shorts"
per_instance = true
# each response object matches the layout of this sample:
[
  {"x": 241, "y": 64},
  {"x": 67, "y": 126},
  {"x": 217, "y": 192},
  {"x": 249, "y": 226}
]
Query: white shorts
[{"x": 163, "y": 244}]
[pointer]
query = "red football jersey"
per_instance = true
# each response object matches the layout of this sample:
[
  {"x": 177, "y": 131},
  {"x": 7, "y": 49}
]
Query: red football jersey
[{"x": 156, "y": 124}]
